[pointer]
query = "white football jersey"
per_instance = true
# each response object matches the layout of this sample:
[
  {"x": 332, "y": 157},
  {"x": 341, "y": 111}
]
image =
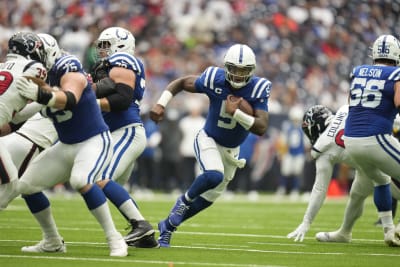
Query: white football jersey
[
  {"x": 39, "y": 130},
  {"x": 330, "y": 143},
  {"x": 14, "y": 67}
]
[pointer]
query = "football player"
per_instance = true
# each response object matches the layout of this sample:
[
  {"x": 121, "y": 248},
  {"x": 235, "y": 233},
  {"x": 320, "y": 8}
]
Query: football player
[
  {"x": 84, "y": 148},
  {"x": 325, "y": 132},
  {"x": 226, "y": 127},
  {"x": 25, "y": 51},
  {"x": 374, "y": 101},
  {"x": 119, "y": 85}
]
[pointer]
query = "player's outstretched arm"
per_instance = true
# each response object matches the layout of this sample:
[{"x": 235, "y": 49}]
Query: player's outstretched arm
[
  {"x": 324, "y": 169},
  {"x": 181, "y": 84}
]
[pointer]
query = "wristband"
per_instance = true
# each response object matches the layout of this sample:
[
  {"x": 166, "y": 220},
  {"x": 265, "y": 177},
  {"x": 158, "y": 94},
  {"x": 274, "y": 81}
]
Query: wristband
[
  {"x": 98, "y": 102},
  {"x": 243, "y": 119},
  {"x": 165, "y": 97}
]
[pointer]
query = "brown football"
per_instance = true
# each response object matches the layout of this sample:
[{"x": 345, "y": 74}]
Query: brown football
[{"x": 244, "y": 105}]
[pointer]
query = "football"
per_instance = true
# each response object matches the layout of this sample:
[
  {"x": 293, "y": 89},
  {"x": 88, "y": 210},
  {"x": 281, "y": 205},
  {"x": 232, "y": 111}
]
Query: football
[{"x": 244, "y": 105}]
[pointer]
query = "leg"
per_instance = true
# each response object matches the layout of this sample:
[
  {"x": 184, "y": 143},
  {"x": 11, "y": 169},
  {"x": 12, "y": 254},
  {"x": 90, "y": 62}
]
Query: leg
[
  {"x": 362, "y": 187},
  {"x": 209, "y": 158},
  {"x": 129, "y": 143},
  {"x": 39, "y": 206}
]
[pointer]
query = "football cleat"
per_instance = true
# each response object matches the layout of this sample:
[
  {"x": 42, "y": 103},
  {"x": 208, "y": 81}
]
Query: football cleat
[
  {"x": 139, "y": 230},
  {"x": 50, "y": 245},
  {"x": 118, "y": 246},
  {"x": 165, "y": 235},
  {"x": 178, "y": 212},
  {"x": 333, "y": 237},
  {"x": 391, "y": 238},
  {"x": 148, "y": 241}
]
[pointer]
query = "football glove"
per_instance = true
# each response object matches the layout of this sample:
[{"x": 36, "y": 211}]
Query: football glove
[
  {"x": 99, "y": 70},
  {"x": 300, "y": 232},
  {"x": 27, "y": 88},
  {"x": 30, "y": 90}
]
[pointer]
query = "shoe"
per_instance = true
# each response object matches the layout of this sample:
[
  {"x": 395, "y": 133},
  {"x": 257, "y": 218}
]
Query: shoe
[
  {"x": 397, "y": 231},
  {"x": 165, "y": 235},
  {"x": 47, "y": 245},
  {"x": 118, "y": 246},
  {"x": 390, "y": 237},
  {"x": 333, "y": 237},
  {"x": 178, "y": 212},
  {"x": 378, "y": 223},
  {"x": 7, "y": 193},
  {"x": 139, "y": 230},
  {"x": 148, "y": 241}
]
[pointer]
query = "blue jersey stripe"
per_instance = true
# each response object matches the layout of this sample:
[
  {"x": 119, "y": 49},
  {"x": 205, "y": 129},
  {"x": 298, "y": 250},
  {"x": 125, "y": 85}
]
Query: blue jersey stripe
[
  {"x": 385, "y": 144},
  {"x": 241, "y": 54},
  {"x": 395, "y": 75},
  {"x": 102, "y": 158},
  {"x": 125, "y": 142}
]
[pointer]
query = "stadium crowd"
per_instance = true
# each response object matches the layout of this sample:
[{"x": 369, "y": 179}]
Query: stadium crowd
[{"x": 306, "y": 48}]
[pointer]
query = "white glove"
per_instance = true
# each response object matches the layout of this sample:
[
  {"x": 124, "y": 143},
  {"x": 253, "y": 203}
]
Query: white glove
[
  {"x": 27, "y": 88},
  {"x": 300, "y": 232}
]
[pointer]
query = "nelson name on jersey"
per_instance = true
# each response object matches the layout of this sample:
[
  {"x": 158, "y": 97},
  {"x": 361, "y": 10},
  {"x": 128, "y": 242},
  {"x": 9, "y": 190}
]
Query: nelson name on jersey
[{"x": 370, "y": 72}]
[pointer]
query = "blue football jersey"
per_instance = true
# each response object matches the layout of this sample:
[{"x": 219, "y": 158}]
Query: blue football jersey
[
  {"x": 118, "y": 119},
  {"x": 220, "y": 125},
  {"x": 371, "y": 106},
  {"x": 294, "y": 137},
  {"x": 84, "y": 120}
]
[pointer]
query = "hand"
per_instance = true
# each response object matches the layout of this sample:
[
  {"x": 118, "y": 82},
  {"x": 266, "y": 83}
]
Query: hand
[
  {"x": 99, "y": 70},
  {"x": 157, "y": 113},
  {"x": 27, "y": 88},
  {"x": 300, "y": 232},
  {"x": 232, "y": 103}
]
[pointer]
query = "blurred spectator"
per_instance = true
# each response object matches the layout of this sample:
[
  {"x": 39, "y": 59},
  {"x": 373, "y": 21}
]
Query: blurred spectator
[
  {"x": 242, "y": 180},
  {"x": 292, "y": 155},
  {"x": 171, "y": 137},
  {"x": 145, "y": 174},
  {"x": 190, "y": 125}
]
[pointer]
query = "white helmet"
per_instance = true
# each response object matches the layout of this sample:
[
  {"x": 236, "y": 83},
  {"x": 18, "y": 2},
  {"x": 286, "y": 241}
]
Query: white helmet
[
  {"x": 115, "y": 39},
  {"x": 386, "y": 47},
  {"x": 51, "y": 49},
  {"x": 240, "y": 63}
]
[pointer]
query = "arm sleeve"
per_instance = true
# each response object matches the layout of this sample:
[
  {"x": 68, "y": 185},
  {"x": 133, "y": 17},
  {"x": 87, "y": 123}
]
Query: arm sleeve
[
  {"x": 324, "y": 168},
  {"x": 27, "y": 112}
]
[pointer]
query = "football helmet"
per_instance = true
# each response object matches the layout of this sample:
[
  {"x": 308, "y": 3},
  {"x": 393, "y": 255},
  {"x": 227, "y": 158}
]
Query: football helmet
[
  {"x": 315, "y": 121},
  {"x": 239, "y": 64},
  {"x": 386, "y": 47},
  {"x": 51, "y": 49},
  {"x": 115, "y": 39},
  {"x": 26, "y": 44}
]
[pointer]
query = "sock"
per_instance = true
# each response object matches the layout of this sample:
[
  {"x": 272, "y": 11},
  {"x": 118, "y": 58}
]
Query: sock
[
  {"x": 386, "y": 219},
  {"x": 96, "y": 203},
  {"x": 206, "y": 181},
  {"x": 196, "y": 206},
  {"x": 130, "y": 211},
  {"x": 39, "y": 205},
  {"x": 383, "y": 198},
  {"x": 122, "y": 200}
]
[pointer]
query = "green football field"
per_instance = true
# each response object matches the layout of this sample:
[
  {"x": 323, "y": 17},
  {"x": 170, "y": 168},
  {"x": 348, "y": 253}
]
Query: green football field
[{"x": 234, "y": 232}]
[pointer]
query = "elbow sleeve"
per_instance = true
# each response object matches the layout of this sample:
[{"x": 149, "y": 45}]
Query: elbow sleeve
[{"x": 122, "y": 98}]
